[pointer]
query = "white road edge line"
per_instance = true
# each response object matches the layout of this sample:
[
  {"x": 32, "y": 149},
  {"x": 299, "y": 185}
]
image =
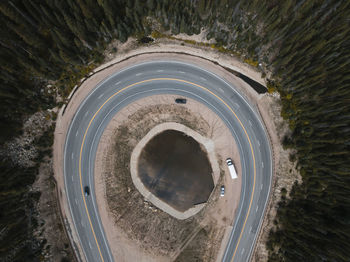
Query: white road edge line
[
  {"x": 93, "y": 141},
  {"x": 220, "y": 79}
]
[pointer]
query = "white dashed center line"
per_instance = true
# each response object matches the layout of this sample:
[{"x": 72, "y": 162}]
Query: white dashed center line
[
  {"x": 100, "y": 96},
  {"x": 160, "y": 71},
  {"x": 117, "y": 83},
  {"x": 138, "y": 74}
]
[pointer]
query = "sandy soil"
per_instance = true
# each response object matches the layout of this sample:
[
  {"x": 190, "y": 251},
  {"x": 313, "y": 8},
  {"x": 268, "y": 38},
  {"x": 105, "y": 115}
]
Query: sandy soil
[
  {"x": 219, "y": 215},
  {"x": 129, "y": 49}
]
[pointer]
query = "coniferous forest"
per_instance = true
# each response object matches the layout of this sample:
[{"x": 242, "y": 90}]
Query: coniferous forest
[{"x": 305, "y": 44}]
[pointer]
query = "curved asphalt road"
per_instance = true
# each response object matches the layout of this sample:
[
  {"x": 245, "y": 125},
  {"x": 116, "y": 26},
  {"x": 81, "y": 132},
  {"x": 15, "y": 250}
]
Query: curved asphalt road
[{"x": 182, "y": 79}]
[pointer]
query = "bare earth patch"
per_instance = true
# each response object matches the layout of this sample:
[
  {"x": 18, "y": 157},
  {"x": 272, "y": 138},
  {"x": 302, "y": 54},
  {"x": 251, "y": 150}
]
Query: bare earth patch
[{"x": 154, "y": 234}]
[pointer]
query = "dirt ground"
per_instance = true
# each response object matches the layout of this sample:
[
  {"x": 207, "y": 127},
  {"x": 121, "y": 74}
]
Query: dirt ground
[
  {"x": 129, "y": 54},
  {"x": 156, "y": 235},
  {"x": 57, "y": 246}
]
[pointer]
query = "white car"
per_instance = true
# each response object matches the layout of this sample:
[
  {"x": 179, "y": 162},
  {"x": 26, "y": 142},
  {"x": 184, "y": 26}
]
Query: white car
[{"x": 222, "y": 191}]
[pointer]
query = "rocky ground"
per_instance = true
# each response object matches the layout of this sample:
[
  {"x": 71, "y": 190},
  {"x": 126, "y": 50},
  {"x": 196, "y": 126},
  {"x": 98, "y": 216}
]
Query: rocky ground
[{"x": 24, "y": 152}]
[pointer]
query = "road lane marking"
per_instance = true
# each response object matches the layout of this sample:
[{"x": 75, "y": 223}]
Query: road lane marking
[
  {"x": 204, "y": 79},
  {"x": 183, "y": 81},
  {"x": 182, "y": 72},
  {"x": 76, "y": 201},
  {"x": 90, "y": 245},
  {"x": 138, "y": 74},
  {"x": 72, "y": 178},
  {"x": 72, "y": 155},
  {"x": 257, "y": 207},
  {"x": 117, "y": 83},
  {"x": 87, "y": 112},
  {"x": 261, "y": 186},
  {"x": 237, "y": 105},
  {"x": 259, "y": 143},
  {"x": 242, "y": 251},
  {"x": 160, "y": 71},
  {"x": 250, "y": 123},
  {"x": 76, "y": 134},
  {"x": 262, "y": 164},
  {"x": 221, "y": 90},
  {"x": 250, "y": 229},
  {"x": 100, "y": 96},
  {"x": 81, "y": 222}
]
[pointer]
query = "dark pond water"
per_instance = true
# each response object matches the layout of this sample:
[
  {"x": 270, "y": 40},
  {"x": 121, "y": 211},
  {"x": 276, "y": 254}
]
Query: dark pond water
[{"x": 174, "y": 168}]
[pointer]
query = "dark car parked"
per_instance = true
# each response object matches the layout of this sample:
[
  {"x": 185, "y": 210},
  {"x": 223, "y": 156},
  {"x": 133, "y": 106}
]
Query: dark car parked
[{"x": 180, "y": 100}]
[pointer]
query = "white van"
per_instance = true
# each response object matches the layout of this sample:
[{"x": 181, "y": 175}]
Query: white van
[{"x": 231, "y": 168}]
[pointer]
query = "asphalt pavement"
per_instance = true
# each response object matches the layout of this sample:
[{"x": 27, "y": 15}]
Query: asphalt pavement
[{"x": 184, "y": 80}]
